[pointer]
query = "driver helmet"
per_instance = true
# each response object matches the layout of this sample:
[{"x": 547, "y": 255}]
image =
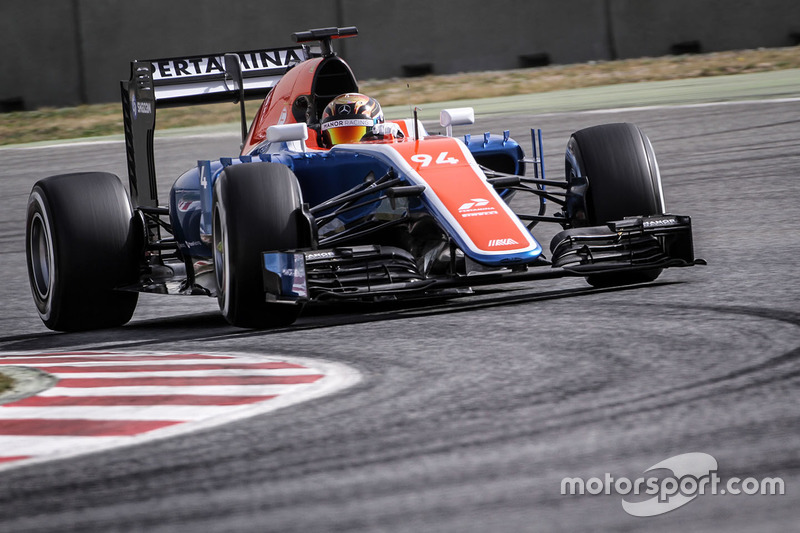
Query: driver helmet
[{"x": 349, "y": 118}]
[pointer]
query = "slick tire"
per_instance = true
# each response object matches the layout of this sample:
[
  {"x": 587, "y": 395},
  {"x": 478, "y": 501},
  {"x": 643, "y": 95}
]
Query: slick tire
[
  {"x": 624, "y": 180},
  {"x": 256, "y": 209},
  {"x": 80, "y": 245}
]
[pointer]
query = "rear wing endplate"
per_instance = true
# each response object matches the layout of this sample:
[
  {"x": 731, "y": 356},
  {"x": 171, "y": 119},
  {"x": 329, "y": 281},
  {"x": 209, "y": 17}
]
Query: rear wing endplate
[{"x": 187, "y": 81}]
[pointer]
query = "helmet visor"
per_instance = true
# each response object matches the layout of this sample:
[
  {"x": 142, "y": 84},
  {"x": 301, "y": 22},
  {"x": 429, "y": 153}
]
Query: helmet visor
[
  {"x": 347, "y": 130},
  {"x": 347, "y": 134}
]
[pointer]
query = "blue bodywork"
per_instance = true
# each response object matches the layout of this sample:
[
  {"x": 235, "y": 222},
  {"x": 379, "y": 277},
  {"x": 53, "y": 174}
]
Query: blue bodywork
[{"x": 321, "y": 175}]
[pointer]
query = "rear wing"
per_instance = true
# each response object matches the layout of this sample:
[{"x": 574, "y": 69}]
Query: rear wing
[{"x": 184, "y": 81}]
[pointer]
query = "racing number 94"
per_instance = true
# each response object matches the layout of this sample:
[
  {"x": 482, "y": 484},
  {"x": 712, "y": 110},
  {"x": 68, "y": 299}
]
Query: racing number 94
[{"x": 426, "y": 159}]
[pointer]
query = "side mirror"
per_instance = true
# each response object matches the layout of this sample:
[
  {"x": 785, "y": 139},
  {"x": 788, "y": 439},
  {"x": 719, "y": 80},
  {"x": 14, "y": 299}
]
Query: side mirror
[
  {"x": 288, "y": 133},
  {"x": 460, "y": 116}
]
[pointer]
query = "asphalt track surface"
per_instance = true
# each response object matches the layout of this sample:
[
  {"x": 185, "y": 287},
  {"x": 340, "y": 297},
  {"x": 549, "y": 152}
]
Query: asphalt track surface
[{"x": 471, "y": 411}]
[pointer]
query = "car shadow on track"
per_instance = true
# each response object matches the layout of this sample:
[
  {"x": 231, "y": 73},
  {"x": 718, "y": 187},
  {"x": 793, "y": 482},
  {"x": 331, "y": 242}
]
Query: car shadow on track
[{"x": 209, "y": 326}]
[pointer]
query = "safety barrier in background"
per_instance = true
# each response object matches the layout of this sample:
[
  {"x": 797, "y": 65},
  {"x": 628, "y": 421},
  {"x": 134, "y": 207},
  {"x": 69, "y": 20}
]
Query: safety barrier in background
[{"x": 66, "y": 52}]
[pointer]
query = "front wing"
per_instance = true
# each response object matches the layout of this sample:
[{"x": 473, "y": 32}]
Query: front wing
[{"x": 378, "y": 272}]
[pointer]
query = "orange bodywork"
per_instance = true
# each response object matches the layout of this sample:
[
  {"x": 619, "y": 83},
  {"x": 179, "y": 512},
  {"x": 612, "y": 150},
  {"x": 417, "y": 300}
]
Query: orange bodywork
[
  {"x": 277, "y": 106},
  {"x": 461, "y": 187}
]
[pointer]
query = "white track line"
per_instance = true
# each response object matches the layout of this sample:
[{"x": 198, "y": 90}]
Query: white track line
[
  {"x": 671, "y": 106},
  {"x": 175, "y": 362},
  {"x": 116, "y": 412},
  {"x": 52, "y": 447},
  {"x": 185, "y": 373},
  {"x": 165, "y": 134},
  {"x": 213, "y": 135},
  {"x": 148, "y": 390}
]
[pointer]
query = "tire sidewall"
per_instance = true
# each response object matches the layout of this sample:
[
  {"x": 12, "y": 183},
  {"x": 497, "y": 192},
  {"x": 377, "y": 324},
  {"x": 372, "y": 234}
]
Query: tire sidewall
[
  {"x": 655, "y": 174},
  {"x": 38, "y": 210},
  {"x": 222, "y": 249},
  {"x": 84, "y": 221}
]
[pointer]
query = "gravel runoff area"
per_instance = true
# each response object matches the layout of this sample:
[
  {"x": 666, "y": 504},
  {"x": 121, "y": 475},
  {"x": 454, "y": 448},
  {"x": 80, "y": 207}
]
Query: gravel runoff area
[{"x": 17, "y": 383}]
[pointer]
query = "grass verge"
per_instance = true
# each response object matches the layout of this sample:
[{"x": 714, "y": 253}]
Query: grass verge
[
  {"x": 106, "y": 119},
  {"x": 5, "y": 383}
]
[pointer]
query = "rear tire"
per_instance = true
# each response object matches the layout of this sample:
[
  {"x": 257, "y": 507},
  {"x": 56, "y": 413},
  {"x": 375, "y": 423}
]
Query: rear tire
[
  {"x": 256, "y": 209},
  {"x": 624, "y": 180},
  {"x": 80, "y": 246}
]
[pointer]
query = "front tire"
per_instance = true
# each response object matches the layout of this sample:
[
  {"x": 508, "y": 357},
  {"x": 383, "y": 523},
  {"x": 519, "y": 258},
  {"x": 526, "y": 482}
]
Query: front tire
[
  {"x": 256, "y": 209},
  {"x": 624, "y": 180},
  {"x": 80, "y": 246}
]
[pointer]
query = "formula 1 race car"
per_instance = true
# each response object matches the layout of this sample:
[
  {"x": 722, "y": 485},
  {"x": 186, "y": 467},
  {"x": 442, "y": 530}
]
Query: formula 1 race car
[{"x": 308, "y": 212}]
